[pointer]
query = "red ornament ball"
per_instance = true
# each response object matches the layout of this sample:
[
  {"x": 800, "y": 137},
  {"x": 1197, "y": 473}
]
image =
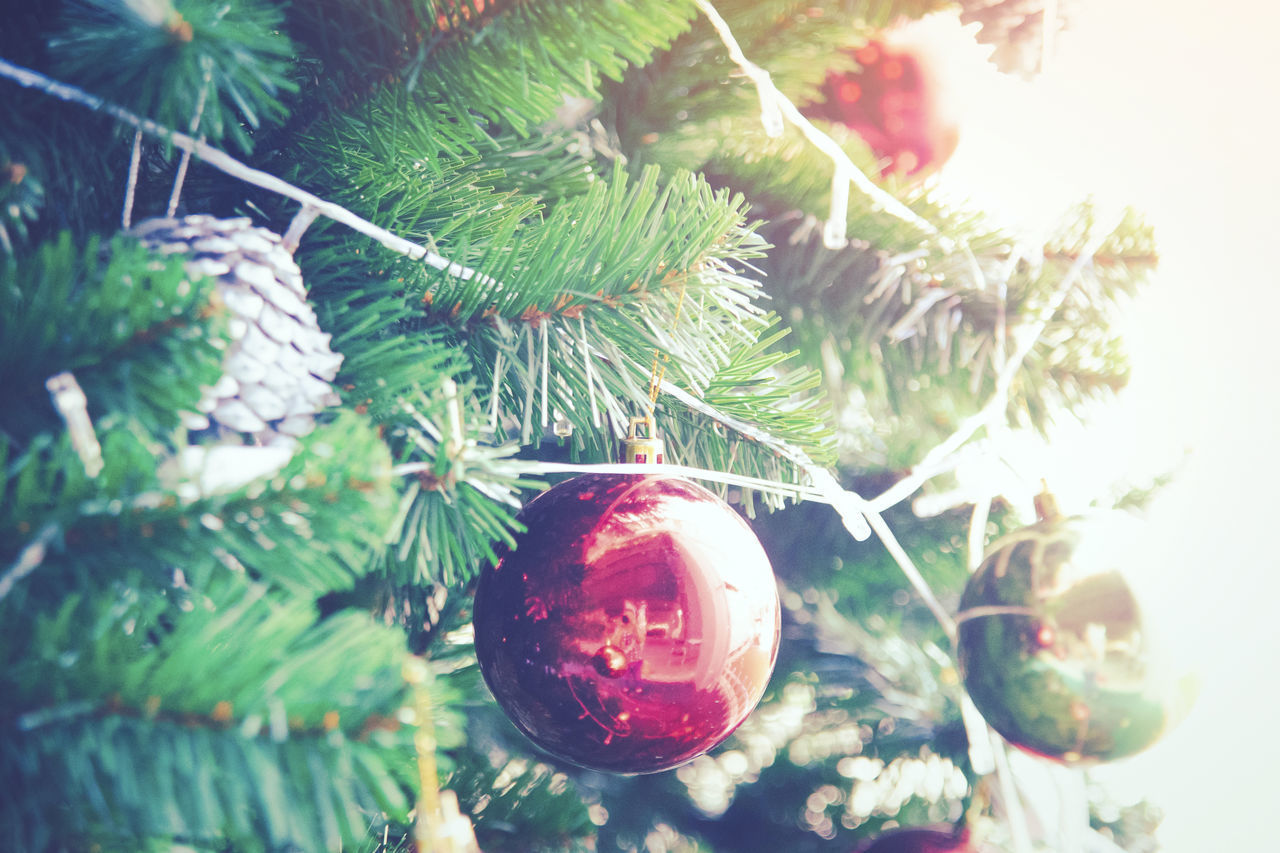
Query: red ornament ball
[
  {"x": 1056, "y": 650},
  {"x": 633, "y": 627},
  {"x": 895, "y": 100}
]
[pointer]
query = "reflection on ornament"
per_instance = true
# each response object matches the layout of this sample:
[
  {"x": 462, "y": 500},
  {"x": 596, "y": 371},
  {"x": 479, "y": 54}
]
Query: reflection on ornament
[
  {"x": 634, "y": 626},
  {"x": 610, "y": 661},
  {"x": 1055, "y": 650},
  {"x": 920, "y": 840}
]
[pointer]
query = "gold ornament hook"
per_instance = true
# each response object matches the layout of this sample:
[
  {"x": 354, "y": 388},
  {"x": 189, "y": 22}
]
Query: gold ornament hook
[{"x": 646, "y": 448}]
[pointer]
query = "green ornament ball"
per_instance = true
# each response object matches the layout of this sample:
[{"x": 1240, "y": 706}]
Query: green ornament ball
[{"x": 1056, "y": 648}]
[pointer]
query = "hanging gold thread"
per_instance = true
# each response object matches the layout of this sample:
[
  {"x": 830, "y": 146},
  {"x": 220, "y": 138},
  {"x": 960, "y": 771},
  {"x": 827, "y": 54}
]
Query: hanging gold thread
[
  {"x": 648, "y": 448},
  {"x": 439, "y": 827},
  {"x": 660, "y": 359}
]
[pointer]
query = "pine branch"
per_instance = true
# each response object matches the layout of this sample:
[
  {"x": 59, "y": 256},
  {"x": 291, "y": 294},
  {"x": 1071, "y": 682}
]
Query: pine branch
[
  {"x": 168, "y": 658},
  {"x": 68, "y": 179},
  {"x": 754, "y": 387},
  {"x": 609, "y": 292},
  {"x": 230, "y": 165},
  {"x": 262, "y": 723},
  {"x": 44, "y": 483},
  {"x": 172, "y": 52},
  {"x": 141, "y": 336},
  {"x": 127, "y": 780},
  {"x": 558, "y": 48},
  {"x": 463, "y": 496},
  {"x": 129, "y": 520},
  {"x": 618, "y": 244},
  {"x": 1030, "y": 336},
  {"x": 523, "y": 805},
  {"x": 412, "y": 166}
]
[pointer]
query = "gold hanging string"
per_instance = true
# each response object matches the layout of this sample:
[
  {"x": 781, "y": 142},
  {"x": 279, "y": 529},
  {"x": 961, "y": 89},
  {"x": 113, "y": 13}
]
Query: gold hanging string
[
  {"x": 660, "y": 359},
  {"x": 439, "y": 825},
  {"x": 642, "y": 445}
]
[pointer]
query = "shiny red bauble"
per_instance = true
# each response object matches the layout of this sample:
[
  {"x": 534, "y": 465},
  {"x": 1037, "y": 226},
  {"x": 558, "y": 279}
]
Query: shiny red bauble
[
  {"x": 633, "y": 627},
  {"x": 897, "y": 103}
]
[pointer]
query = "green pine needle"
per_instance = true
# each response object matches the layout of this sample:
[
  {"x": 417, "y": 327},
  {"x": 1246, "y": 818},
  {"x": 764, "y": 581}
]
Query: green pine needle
[
  {"x": 140, "y": 335},
  {"x": 225, "y": 64}
]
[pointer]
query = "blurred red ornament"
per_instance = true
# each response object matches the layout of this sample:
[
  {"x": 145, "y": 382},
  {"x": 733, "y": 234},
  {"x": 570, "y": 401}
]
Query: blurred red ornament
[
  {"x": 634, "y": 626},
  {"x": 896, "y": 102},
  {"x": 920, "y": 840}
]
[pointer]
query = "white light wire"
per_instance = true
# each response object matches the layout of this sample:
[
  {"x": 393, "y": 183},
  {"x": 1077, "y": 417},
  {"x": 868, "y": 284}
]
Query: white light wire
[
  {"x": 229, "y": 165},
  {"x": 769, "y": 94}
]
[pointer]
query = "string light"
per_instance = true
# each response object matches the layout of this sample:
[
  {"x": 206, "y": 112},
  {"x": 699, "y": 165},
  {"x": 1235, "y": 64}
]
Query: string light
[
  {"x": 229, "y": 165},
  {"x": 779, "y": 104}
]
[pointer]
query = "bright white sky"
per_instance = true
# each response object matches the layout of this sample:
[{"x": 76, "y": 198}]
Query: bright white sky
[{"x": 1174, "y": 107}]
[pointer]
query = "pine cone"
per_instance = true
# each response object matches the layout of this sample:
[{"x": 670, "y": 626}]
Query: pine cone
[
  {"x": 278, "y": 369},
  {"x": 1015, "y": 28}
]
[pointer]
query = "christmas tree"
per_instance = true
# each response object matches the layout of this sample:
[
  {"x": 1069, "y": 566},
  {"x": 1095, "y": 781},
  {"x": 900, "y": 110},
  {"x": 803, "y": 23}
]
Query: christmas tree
[{"x": 303, "y": 302}]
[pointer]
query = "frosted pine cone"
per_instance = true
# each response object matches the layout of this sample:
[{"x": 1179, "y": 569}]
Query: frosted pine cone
[
  {"x": 279, "y": 367},
  {"x": 1015, "y": 30}
]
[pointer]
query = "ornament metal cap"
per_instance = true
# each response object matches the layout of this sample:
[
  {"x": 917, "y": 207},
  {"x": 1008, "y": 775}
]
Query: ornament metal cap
[
  {"x": 1047, "y": 505},
  {"x": 644, "y": 449}
]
